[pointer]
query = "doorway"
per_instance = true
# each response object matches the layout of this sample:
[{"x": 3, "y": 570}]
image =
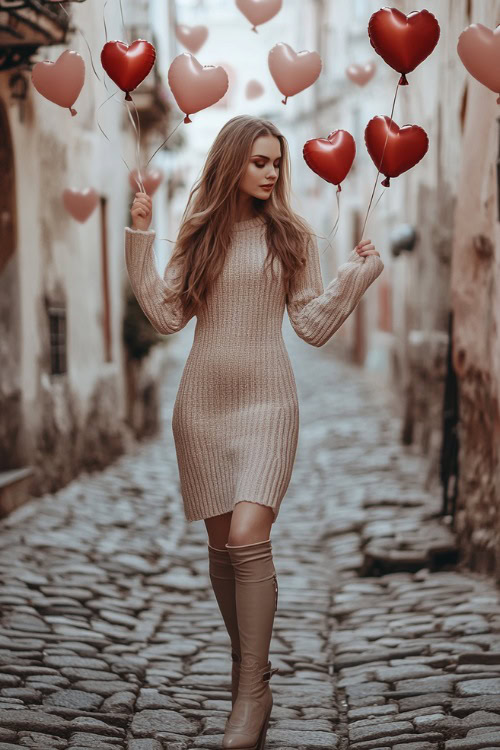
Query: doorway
[{"x": 10, "y": 308}]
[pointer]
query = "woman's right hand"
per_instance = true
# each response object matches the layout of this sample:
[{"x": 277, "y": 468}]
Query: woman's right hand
[
  {"x": 141, "y": 211},
  {"x": 366, "y": 247}
]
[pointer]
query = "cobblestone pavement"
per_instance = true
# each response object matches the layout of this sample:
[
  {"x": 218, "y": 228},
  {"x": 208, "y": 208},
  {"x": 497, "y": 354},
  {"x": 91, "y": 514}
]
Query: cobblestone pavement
[{"x": 110, "y": 636}]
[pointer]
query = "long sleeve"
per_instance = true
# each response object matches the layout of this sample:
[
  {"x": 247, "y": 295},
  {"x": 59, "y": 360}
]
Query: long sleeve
[
  {"x": 148, "y": 286},
  {"x": 316, "y": 314}
]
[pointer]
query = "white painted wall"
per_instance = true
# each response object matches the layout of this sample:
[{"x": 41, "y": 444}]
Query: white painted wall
[{"x": 53, "y": 150}]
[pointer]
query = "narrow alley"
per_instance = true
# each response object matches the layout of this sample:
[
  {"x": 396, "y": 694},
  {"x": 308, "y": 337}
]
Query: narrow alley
[{"x": 110, "y": 636}]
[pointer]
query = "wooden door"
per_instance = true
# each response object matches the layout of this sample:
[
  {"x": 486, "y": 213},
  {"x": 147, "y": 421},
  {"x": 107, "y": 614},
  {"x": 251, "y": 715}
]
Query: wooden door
[{"x": 10, "y": 325}]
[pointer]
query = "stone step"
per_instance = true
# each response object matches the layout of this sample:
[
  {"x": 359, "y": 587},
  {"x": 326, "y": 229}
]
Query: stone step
[{"x": 14, "y": 488}]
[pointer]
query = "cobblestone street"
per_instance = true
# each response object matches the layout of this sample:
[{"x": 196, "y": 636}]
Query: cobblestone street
[{"x": 110, "y": 635}]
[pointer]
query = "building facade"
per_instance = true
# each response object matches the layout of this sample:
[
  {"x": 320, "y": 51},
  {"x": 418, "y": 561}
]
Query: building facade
[
  {"x": 475, "y": 302},
  {"x": 64, "y": 378},
  {"x": 437, "y": 227}
]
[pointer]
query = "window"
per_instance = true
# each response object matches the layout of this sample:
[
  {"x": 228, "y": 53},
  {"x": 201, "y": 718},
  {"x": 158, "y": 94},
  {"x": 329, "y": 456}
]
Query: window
[{"x": 57, "y": 333}]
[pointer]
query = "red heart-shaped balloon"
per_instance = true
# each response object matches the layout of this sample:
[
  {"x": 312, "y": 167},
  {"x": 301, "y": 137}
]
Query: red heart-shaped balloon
[
  {"x": 404, "y": 148},
  {"x": 128, "y": 65},
  {"x": 403, "y": 41},
  {"x": 331, "y": 157}
]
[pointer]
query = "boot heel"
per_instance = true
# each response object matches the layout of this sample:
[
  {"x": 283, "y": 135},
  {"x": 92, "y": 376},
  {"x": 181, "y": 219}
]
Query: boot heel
[{"x": 262, "y": 739}]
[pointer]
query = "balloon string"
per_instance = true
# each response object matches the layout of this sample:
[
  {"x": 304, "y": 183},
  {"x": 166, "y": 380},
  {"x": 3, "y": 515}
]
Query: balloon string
[
  {"x": 138, "y": 149},
  {"x": 106, "y": 38},
  {"x": 166, "y": 139},
  {"x": 137, "y": 132},
  {"x": 165, "y": 239},
  {"x": 381, "y": 160},
  {"x": 338, "y": 214},
  {"x": 85, "y": 40},
  {"x": 104, "y": 21},
  {"x": 123, "y": 23},
  {"x": 137, "y": 129},
  {"x": 137, "y": 143},
  {"x": 376, "y": 204},
  {"x": 102, "y": 131},
  {"x": 336, "y": 225},
  {"x": 378, "y": 199},
  {"x": 97, "y": 114}
]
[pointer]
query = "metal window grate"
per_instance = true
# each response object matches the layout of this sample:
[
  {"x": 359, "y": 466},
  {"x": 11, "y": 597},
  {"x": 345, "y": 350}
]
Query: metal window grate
[{"x": 57, "y": 333}]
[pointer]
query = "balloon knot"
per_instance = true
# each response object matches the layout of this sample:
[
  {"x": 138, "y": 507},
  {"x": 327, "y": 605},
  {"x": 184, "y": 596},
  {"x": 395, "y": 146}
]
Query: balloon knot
[
  {"x": 339, "y": 189},
  {"x": 128, "y": 98},
  {"x": 73, "y": 111},
  {"x": 386, "y": 182},
  {"x": 402, "y": 80},
  {"x": 186, "y": 119},
  {"x": 254, "y": 29},
  {"x": 284, "y": 100},
  {"x": 498, "y": 100}
]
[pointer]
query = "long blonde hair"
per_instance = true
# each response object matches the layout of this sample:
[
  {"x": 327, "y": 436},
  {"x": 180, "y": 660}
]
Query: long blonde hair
[{"x": 205, "y": 232}]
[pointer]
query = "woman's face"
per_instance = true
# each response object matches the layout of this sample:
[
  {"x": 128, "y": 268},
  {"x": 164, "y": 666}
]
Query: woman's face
[{"x": 263, "y": 167}]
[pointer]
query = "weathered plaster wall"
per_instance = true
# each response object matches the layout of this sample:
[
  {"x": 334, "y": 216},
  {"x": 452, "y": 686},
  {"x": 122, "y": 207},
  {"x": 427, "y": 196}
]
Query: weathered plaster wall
[
  {"x": 476, "y": 304},
  {"x": 75, "y": 420}
]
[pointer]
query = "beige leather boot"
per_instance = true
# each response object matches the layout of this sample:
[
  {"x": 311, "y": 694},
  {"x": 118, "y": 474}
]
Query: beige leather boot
[
  {"x": 256, "y": 603},
  {"x": 222, "y": 579}
]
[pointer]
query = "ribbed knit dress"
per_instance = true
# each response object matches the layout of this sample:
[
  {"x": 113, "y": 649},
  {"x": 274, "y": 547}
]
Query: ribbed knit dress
[{"x": 235, "y": 419}]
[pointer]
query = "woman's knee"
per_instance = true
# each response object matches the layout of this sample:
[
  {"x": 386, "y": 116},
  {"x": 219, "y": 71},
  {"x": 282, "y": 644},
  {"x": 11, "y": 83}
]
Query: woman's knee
[
  {"x": 251, "y": 522},
  {"x": 218, "y": 529}
]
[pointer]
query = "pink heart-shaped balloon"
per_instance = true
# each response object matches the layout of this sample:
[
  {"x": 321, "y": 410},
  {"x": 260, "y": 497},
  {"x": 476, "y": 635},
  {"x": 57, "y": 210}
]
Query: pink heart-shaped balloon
[
  {"x": 479, "y": 49},
  {"x": 195, "y": 86},
  {"x": 259, "y": 11},
  {"x": 60, "y": 81},
  {"x": 80, "y": 203},
  {"x": 293, "y": 72},
  {"x": 151, "y": 179},
  {"x": 254, "y": 89},
  {"x": 232, "y": 77},
  {"x": 192, "y": 37},
  {"x": 361, "y": 74}
]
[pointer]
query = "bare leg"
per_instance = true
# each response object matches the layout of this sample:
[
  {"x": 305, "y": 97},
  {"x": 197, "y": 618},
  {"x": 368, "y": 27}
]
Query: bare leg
[
  {"x": 251, "y": 522},
  {"x": 218, "y": 529}
]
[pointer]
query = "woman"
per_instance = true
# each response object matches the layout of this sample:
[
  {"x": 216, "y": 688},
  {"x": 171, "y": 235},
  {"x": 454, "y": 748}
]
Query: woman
[{"x": 241, "y": 256}]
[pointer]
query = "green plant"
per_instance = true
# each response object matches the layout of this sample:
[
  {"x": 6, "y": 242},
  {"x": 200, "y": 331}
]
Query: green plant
[{"x": 139, "y": 336}]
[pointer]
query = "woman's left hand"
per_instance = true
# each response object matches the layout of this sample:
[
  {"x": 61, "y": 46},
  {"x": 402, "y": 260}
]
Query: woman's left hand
[{"x": 366, "y": 247}]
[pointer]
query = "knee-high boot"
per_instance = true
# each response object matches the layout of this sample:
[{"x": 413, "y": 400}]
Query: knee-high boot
[
  {"x": 256, "y": 604},
  {"x": 222, "y": 579}
]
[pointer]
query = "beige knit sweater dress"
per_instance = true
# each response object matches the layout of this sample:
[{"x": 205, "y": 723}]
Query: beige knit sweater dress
[{"x": 235, "y": 420}]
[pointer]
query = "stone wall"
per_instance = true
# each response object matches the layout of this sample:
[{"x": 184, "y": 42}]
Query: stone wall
[
  {"x": 476, "y": 341},
  {"x": 61, "y": 419},
  {"x": 477, "y": 358},
  {"x": 477, "y": 517},
  {"x": 10, "y": 390},
  {"x": 71, "y": 436}
]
